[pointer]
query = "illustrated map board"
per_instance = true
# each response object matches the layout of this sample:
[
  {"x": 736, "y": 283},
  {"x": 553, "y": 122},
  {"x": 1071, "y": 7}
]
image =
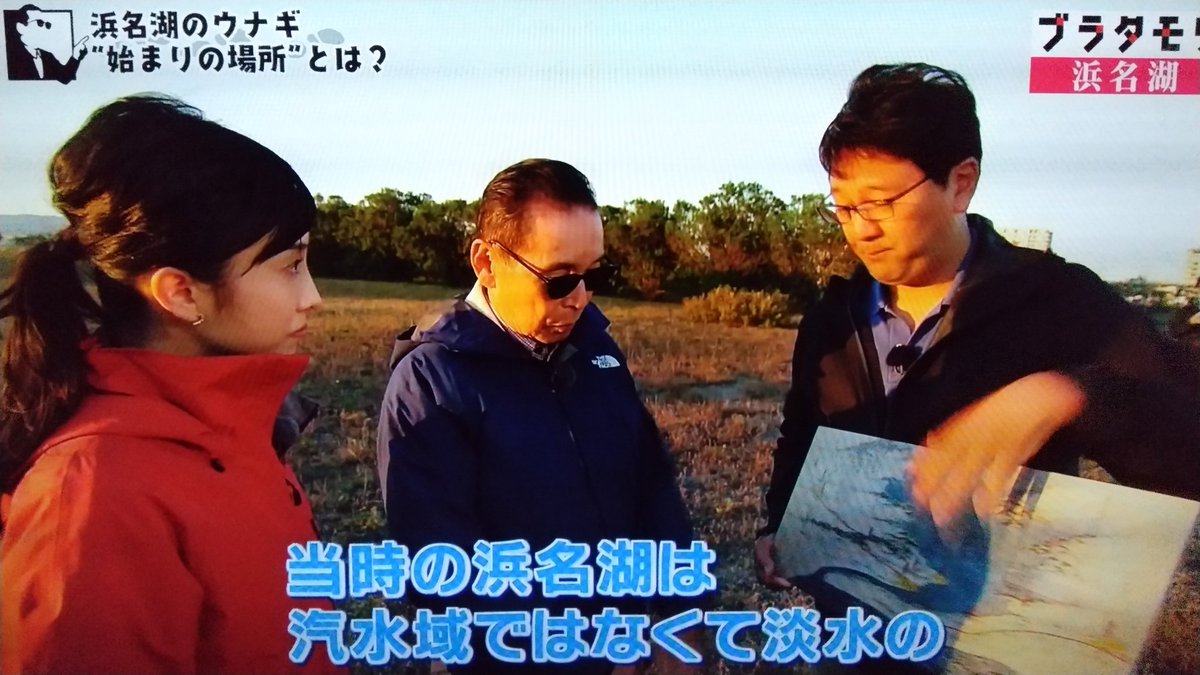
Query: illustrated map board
[{"x": 1068, "y": 577}]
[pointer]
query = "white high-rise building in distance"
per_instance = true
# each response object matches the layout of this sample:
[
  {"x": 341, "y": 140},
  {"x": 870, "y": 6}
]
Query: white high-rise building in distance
[
  {"x": 1026, "y": 238},
  {"x": 1193, "y": 267}
]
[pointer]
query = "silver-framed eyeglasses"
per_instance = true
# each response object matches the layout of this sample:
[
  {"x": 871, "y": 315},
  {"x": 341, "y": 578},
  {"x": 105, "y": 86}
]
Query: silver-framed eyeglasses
[{"x": 874, "y": 210}]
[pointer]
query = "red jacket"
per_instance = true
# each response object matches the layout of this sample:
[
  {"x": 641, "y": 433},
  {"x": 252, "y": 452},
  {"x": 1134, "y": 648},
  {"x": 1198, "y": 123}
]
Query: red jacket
[{"x": 150, "y": 534}]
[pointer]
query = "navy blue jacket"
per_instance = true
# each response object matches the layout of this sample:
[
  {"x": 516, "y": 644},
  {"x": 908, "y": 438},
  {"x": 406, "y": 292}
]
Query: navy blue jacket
[{"x": 480, "y": 440}]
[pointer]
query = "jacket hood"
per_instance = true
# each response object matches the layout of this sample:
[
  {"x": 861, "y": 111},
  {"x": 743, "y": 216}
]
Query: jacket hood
[
  {"x": 178, "y": 399},
  {"x": 462, "y": 328}
]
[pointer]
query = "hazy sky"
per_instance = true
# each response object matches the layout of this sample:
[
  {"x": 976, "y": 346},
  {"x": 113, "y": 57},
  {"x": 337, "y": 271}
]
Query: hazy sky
[{"x": 662, "y": 100}]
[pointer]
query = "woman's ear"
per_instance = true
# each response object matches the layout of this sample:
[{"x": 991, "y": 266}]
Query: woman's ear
[
  {"x": 481, "y": 263},
  {"x": 175, "y": 292}
]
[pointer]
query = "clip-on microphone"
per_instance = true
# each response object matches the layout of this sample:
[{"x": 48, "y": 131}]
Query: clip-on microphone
[{"x": 903, "y": 356}]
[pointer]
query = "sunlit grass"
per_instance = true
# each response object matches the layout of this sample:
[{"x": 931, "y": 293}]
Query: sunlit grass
[{"x": 715, "y": 392}]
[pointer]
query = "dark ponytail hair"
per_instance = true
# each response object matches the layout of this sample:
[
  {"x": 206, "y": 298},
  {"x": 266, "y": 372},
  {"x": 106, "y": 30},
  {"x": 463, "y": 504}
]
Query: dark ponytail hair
[{"x": 146, "y": 183}]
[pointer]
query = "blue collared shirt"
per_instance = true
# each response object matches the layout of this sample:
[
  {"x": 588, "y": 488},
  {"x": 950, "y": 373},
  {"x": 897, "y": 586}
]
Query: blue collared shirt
[{"x": 889, "y": 330}]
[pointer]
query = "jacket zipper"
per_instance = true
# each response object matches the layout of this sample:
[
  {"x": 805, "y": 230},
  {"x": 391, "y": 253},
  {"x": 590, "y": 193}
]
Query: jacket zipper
[
  {"x": 587, "y": 474},
  {"x": 870, "y": 397}
]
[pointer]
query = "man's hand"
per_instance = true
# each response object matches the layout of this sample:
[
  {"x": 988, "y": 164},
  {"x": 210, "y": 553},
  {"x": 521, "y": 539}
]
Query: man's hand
[
  {"x": 974, "y": 456},
  {"x": 764, "y": 563}
]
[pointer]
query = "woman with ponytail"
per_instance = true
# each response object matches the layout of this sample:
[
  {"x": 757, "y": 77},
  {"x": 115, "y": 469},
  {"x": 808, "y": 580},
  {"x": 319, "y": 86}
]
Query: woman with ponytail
[{"x": 146, "y": 516}]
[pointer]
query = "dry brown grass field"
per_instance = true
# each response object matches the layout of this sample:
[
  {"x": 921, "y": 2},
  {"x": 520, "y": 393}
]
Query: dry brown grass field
[{"x": 715, "y": 391}]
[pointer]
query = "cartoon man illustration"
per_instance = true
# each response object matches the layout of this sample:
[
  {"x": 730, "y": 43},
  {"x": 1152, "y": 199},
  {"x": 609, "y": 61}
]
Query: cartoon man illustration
[{"x": 41, "y": 45}]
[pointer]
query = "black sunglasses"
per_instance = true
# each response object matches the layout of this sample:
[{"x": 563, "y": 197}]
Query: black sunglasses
[{"x": 561, "y": 286}]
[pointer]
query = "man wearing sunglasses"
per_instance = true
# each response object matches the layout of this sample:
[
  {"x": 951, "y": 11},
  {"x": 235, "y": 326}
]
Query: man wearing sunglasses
[
  {"x": 512, "y": 415},
  {"x": 989, "y": 355},
  {"x": 39, "y": 45}
]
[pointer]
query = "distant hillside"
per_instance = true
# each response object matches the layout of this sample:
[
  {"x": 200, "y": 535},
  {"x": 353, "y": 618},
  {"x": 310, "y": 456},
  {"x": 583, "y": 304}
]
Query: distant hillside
[{"x": 23, "y": 225}]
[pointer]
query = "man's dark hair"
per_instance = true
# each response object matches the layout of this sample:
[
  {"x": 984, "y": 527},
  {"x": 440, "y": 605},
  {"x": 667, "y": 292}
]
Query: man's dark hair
[
  {"x": 503, "y": 209},
  {"x": 914, "y": 111},
  {"x": 23, "y": 13}
]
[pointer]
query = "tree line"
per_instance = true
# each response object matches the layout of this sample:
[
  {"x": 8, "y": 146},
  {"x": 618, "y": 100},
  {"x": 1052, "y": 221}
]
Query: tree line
[{"x": 741, "y": 236}]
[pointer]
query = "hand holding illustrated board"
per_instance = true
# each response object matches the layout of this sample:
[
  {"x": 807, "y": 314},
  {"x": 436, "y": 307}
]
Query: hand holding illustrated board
[{"x": 1068, "y": 577}]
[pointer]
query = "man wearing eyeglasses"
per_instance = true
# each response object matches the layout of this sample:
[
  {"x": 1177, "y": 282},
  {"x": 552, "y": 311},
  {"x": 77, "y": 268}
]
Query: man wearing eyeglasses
[
  {"x": 988, "y": 355},
  {"x": 513, "y": 415}
]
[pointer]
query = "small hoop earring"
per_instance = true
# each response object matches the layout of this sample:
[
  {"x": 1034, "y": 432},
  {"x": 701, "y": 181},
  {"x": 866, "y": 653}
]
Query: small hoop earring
[{"x": 199, "y": 320}]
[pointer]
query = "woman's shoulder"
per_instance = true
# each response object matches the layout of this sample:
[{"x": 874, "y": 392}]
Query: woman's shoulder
[
  {"x": 88, "y": 465},
  {"x": 88, "y": 488},
  {"x": 89, "y": 461}
]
